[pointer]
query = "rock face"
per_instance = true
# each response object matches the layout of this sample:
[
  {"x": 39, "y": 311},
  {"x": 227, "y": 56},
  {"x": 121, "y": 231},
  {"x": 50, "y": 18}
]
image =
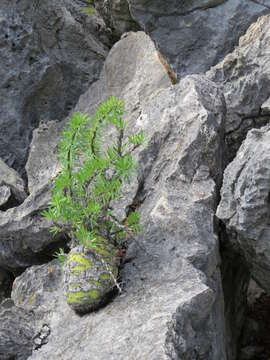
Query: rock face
[
  {"x": 42, "y": 164},
  {"x": 244, "y": 206},
  {"x": 16, "y": 332},
  {"x": 244, "y": 77},
  {"x": 90, "y": 277},
  {"x": 12, "y": 186},
  {"x": 193, "y": 35},
  {"x": 25, "y": 234},
  {"x": 50, "y": 53},
  {"x": 172, "y": 302}
]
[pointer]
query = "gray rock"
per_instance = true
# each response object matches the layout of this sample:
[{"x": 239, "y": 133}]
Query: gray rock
[
  {"x": 244, "y": 206},
  {"x": 172, "y": 301},
  {"x": 11, "y": 184},
  {"x": 50, "y": 53},
  {"x": 25, "y": 235},
  {"x": 35, "y": 289},
  {"x": 5, "y": 195},
  {"x": 16, "y": 332},
  {"x": 90, "y": 277},
  {"x": 116, "y": 15},
  {"x": 6, "y": 280},
  {"x": 244, "y": 77},
  {"x": 42, "y": 164},
  {"x": 193, "y": 35}
]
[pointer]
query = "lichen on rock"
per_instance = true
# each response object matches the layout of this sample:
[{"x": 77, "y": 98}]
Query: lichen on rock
[{"x": 90, "y": 276}]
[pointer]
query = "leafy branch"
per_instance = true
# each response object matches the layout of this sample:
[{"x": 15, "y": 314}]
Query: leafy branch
[{"x": 92, "y": 176}]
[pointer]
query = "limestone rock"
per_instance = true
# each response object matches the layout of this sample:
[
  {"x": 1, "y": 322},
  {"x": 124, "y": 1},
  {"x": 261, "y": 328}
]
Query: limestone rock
[
  {"x": 116, "y": 15},
  {"x": 38, "y": 290},
  {"x": 193, "y": 35},
  {"x": 25, "y": 235},
  {"x": 90, "y": 277},
  {"x": 5, "y": 195},
  {"x": 42, "y": 164},
  {"x": 244, "y": 77},
  {"x": 50, "y": 53},
  {"x": 244, "y": 206},
  {"x": 172, "y": 301},
  {"x": 6, "y": 280},
  {"x": 16, "y": 332},
  {"x": 11, "y": 184}
]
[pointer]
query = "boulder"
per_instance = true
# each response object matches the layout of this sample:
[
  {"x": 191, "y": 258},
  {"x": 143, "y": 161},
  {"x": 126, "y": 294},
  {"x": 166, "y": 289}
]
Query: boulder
[
  {"x": 192, "y": 35},
  {"x": 244, "y": 205},
  {"x": 11, "y": 185},
  {"x": 50, "y": 53},
  {"x": 117, "y": 17},
  {"x": 244, "y": 78},
  {"x": 90, "y": 276},
  {"x": 25, "y": 234},
  {"x": 16, "y": 332},
  {"x": 6, "y": 280},
  {"x": 42, "y": 164},
  {"x": 171, "y": 306}
]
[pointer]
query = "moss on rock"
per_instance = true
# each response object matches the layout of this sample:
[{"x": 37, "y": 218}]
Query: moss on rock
[{"x": 89, "y": 276}]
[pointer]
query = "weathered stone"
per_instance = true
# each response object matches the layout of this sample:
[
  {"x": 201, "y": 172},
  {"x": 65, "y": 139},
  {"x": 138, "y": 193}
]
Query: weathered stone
[
  {"x": 11, "y": 184},
  {"x": 172, "y": 302},
  {"x": 90, "y": 277},
  {"x": 244, "y": 206},
  {"x": 25, "y": 234},
  {"x": 244, "y": 77},
  {"x": 42, "y": 164},
  {"x": 16, "y": 332},
  {"x": 6, "y": 280},
  {"x": 193, "y": 35},
  {"x": 35, "y": 289},
  {"x": 50, "y": 53},
  {"x": 5, "y": 195},
  {"x": 116, "y": 15}
]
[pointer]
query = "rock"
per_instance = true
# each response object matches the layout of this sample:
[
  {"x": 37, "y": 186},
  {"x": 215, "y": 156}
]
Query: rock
[
  {"x": 172, "y": 302},
  {"x": 244, "y": 77},
  {"x": 5, "y": 195},
  {"x": 244, "y": 205},
  {"x": 6, "y": 280},
  {"x": 11, "y": 184},
  {"x": 192, "y": 35},
  {"x": 254, "y": 293},
  {"x": 16, "y": 332},
  {"x": 90, "y": 277},
  {"x": 42, "y": 164},
  {"x": 35, "y": 289},
  {"x": 50, "y": 54},
  {"x": 25, "y": 234},
  {"x": 116, "y": 15}
]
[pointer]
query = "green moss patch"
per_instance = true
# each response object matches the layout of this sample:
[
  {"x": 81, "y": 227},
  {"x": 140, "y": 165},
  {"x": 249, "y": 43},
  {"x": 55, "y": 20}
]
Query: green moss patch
[
  {"x": 82, "y": 263},
  {"x": 83, "y": 297}
]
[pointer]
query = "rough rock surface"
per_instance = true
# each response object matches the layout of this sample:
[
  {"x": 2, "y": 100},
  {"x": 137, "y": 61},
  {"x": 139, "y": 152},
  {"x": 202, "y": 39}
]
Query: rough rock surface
[
  {"x": 42, "y": 164},
  {"x": 6, "y": 280},
  {"x": 16, "y": 332},
  {"x": 172, "y": 305},
  {"x": 244, "y": 206},
  {"x": 11, "y": 185},
  {"x": 244, "y": 77},
  {"x": 193, "y": 35},
  {"x": 49, "y": 54},
  {"x": 25, "y": 235},
  {"x": 90, "y": 277},
  {"x": 116, "y": 15}
]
